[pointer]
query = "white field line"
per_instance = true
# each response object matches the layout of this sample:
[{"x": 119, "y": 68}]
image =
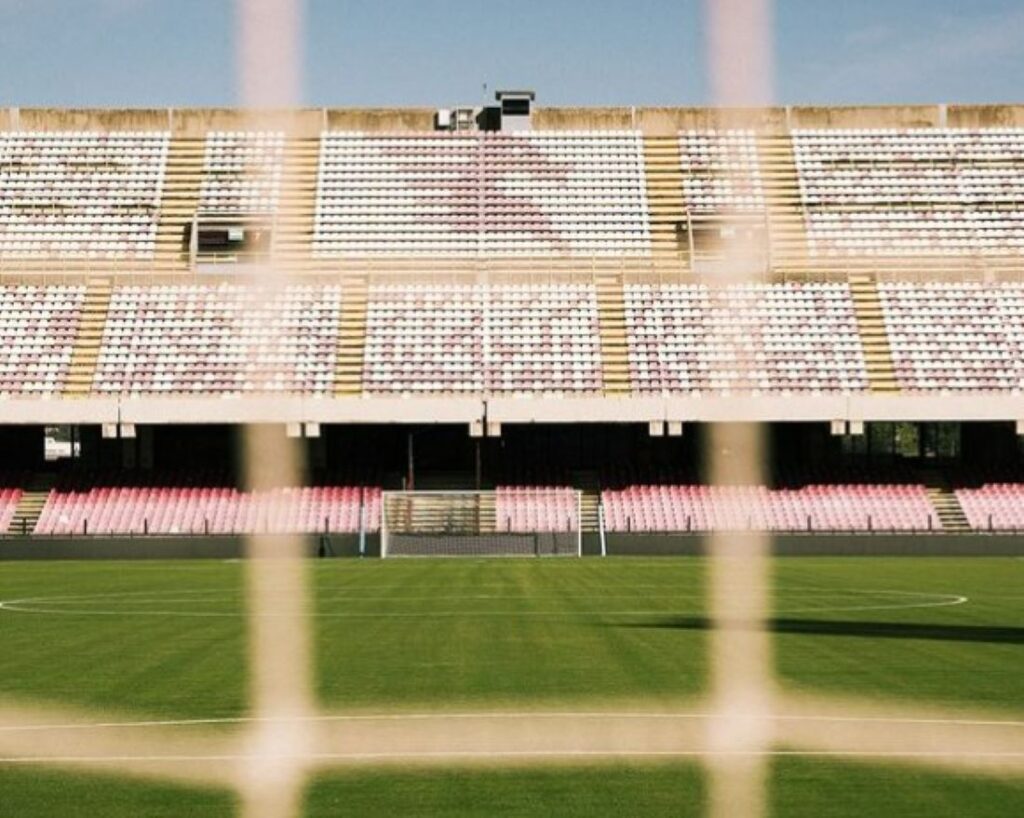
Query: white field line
[
  {"x": 467, "y": 755},
  {"x": 39, "y": 605},
  {"x": 511, "y": 715}
]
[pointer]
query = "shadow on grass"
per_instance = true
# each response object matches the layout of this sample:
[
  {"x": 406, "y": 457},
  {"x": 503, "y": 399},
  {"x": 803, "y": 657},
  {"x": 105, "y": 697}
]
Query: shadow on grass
[{"x": 864, "y": 630}]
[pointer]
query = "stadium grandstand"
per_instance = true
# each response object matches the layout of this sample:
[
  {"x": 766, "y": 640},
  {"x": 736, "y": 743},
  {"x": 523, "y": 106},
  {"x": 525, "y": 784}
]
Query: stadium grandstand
[{"x": 531, "y": 303}]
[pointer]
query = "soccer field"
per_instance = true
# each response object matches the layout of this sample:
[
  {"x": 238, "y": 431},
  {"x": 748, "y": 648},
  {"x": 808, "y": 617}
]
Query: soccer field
[{"x": 166, "y": 642}]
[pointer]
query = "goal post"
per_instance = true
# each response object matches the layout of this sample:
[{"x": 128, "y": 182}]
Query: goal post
[{"x": 510, "y": 522}]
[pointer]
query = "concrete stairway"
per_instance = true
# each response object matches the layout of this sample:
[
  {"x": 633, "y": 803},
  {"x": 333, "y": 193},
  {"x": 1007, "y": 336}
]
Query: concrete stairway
[
  {"x": 296, "y": 213},
  {"x": 666, "y": 208},
  {"x": 589, "y": 502},
  {"x": 951, "y": 514},
  {"x": 873, "y": 334},
  {"x": 787, "y": 230},
  {"x": 179, "y": 201},
  {"x": 30, "y": 506},
  {"x": 348, "y": 378},
  {"x": 611, "y": 310},
  {"x": 86, "y": 353}
]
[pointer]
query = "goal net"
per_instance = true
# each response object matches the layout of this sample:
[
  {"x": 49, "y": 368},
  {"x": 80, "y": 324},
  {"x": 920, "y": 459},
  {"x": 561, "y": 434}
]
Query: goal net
[{"x": 543, "y": 522}]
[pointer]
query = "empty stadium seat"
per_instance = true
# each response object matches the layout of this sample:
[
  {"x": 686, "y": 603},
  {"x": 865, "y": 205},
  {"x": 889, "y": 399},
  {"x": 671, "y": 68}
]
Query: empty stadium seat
[
  {"x": 955, "y": 336},
  {"x": 81, "y": 194},
  {"x": 928, "y": 191},
  {"x": 226, "y": 339},
  {"x": 459, "y": 338},
  {"x": 241, "y": 173},
  {"x": 811, "y": 508},
  {"x": 9, "y": 498},
  {"x": 993, "y": 507},
  {"x": 529, "y": 509},
  {"x": 531, "y": 194},
  {"x": 194, "y": 510},
  {"x": 38, "y": 327},
  {"x": 721, "y": 172},
  {"x": 774, "y": 338}
]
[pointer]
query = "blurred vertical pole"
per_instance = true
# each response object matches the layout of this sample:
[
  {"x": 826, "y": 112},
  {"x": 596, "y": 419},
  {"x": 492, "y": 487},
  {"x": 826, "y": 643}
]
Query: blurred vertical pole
[
  {"x": 739, "y": 49},
  {"x": 278, "y": 596}
]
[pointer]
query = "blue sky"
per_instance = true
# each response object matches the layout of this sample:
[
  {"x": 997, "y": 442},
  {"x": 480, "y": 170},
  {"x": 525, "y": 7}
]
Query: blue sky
[{"x": 573, "y": 52}]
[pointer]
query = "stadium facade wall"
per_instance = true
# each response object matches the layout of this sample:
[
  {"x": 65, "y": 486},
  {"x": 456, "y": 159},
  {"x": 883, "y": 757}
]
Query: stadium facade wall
[
  {"x": 618, "y": 545},
  {"x": 817, "y": 545},
  {"x": 167, "y": 548},
  {"x": 441, "y": 409},
  {"x": 310, "y": 122}
]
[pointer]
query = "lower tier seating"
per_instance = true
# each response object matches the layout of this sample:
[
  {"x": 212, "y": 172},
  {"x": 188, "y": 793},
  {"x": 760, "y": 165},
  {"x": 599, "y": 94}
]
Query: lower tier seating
[
  {"x": 529, "y": 509},
  {"x": 209, "y": 510},
  {"x": 731, "y": 508},
  {"x": 994, "y": 506},
  {"x": 9, "y": 498}
]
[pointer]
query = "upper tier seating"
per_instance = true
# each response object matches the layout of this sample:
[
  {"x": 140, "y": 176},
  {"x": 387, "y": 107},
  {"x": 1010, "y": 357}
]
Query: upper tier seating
[
  {"x": 76, "y": 194},
  {"x": 994, "y": 506},
  {"x": 926, "y": 191},
  {"x": 736, "y": 508},
  {"x": 242, "y": 173},
  {"x": 530, "y": 509},
  {"x": 480, "y": 338},
  {"x": 721, "y": 172},
  {"x": 530, "y": 194},
  {"x": 756, "y": 337},
  {"x": 955, "y": 336},
  {"x": 208, "y": 510},
  {"x": 38, "y": 326},
  {"x": 225, "y": 338},
  {"x": 9, "y": 498}
]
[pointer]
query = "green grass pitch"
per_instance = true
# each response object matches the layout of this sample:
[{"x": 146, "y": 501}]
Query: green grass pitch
[{"x": 167, "y": 641}]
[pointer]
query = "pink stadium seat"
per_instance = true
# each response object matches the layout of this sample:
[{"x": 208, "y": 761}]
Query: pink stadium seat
[
  {"x": 811, "y": 508},
  {"x": 536, "y": 509},
  {"x": 994, "y": 506},
  {"x": 9, "y": 498},
  {"x": 336, "y": 509}
]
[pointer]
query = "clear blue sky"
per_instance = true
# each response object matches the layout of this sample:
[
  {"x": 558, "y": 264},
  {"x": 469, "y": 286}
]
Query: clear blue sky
[{"x": 573, "y": 52}]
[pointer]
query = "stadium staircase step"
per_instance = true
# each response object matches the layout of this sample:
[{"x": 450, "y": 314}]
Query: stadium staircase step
[
  {"x": 296, "y": 214},
  {"x": 787, "y": 230},
  {"x": 348, "y": 376},
  {"x": 89, "y": 339},
  {"x": 611, "y": 309},
  {"x": 30, "y": 506},
  {"x": 666, "y": 208},
  {"x": 589, "y": 502},
  {"x": 873, "y": 334},
  {"x": 179, "y": 201},
  {"x": 951, "y": 514}
]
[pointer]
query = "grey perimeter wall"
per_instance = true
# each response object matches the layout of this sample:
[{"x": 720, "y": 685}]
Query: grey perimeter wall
[{"x": 347, "y": 545}]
